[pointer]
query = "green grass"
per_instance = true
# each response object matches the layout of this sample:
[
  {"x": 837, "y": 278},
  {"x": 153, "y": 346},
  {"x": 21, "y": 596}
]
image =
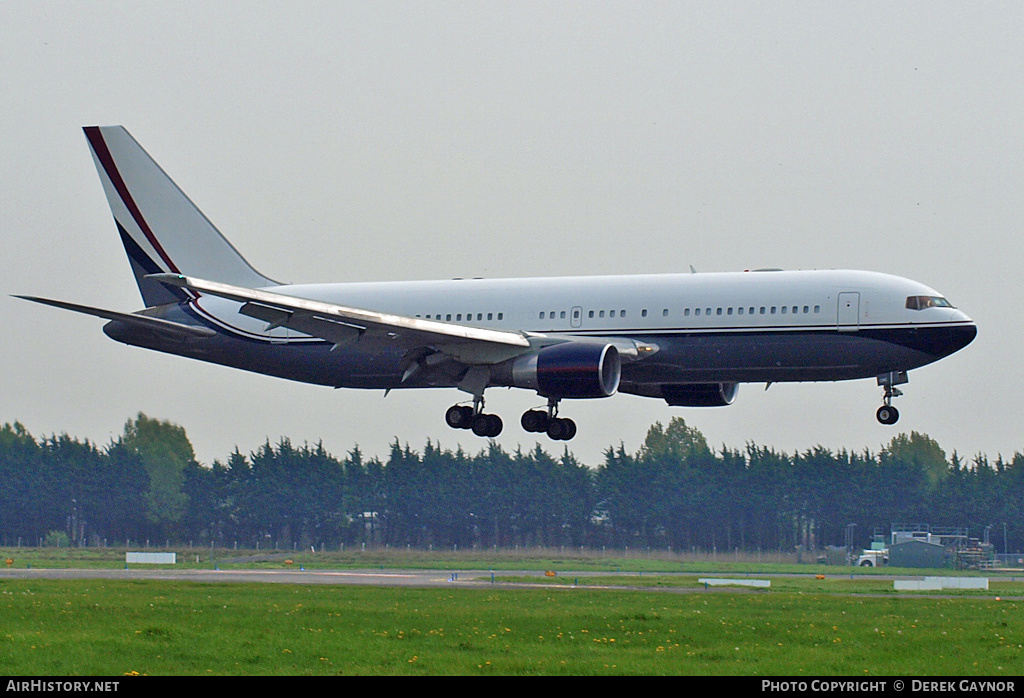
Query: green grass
[{"x": 96, "y": 627}]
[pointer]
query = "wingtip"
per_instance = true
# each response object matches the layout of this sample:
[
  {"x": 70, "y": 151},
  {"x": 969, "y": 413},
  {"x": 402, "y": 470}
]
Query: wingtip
[{"x": 34, "y": 299}]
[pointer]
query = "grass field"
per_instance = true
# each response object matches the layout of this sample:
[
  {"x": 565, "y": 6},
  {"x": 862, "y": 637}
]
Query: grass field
[
  {"x": 802, "y": 626},
  {"x": 178, "y": 628}
]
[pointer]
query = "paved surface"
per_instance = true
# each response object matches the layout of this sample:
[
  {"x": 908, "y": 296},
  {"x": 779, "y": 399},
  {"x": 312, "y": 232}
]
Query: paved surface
[
  {"x": 377, "y": 578},
  {"x": 407, "y": 578},
  {"x": 404, "y": 578}
]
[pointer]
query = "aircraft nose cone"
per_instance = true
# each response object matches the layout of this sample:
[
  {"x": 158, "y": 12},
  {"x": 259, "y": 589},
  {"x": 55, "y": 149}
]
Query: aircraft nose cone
[
  {"x": 965, "y": 334},
  {"x": 956, "y": 337},
  {"x": 942, "y": 341}
]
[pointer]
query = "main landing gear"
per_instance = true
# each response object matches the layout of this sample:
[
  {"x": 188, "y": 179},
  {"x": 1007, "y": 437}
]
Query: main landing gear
[
  {"x": 887, "y": 414},
  {"x": 490, "y": 425},
  {"x": 558, "y": 428},
  {"x": 466, "y": 417}
]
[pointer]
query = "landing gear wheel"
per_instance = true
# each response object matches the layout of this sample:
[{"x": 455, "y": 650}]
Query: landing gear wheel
[
  {"x": 887, "y": 414},
  {"x": 459, "y": 417},
  {"x": 487, "y": 425},
  {"x": 555, "y": 429},
  {"x": 560, "y": 429},
  {"x": 570, "y": 429},
  {"x": 535, "y": 421}
]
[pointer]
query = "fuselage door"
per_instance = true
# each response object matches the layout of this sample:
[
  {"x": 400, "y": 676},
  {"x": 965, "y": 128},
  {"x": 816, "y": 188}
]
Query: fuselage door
[
  {"x": 849, "y": 311},
  {"x": 576, "y": 319}
]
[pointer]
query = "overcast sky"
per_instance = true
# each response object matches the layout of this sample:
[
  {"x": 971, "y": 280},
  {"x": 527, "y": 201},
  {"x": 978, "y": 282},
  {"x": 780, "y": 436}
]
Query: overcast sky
[{"x": 344, "y": 141}]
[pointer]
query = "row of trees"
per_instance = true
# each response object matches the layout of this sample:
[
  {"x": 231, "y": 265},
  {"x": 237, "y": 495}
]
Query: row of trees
[{"x": 674, "y": 492}]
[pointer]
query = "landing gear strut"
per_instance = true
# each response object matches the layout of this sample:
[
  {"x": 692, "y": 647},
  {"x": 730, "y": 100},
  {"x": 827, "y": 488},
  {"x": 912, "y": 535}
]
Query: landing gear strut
[
  {"x": 557, "y": 428},
  {"x": 887, "y": 414},
  {"x": 466, "y": 417}
]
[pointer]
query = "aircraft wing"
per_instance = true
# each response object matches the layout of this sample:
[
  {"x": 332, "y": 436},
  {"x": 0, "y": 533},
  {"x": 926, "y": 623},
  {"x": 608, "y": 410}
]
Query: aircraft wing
[{"x": 343, "y": 326}]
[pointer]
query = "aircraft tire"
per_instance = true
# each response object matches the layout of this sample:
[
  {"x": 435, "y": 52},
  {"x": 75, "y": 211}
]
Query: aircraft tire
[
  {"x": 887, "y": 414},
  {"x": 561, "y": 429},
  {"x": 534, "y": 421},
  {"x": 570, "y": 430},
  {"x": 487, "y": 425},
  {"x": 459, "y": 417}
]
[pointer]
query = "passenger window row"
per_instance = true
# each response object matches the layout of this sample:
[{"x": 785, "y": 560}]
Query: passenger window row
[
  {"x": 698, "y": 312},
  {"x": 621, "y": 313},
  {"x": 755, "y": 310},
  {"x": 457, "y": 317}
]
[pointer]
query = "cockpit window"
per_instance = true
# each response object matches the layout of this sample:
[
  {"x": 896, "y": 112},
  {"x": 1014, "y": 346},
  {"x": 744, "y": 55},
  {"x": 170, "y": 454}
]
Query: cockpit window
[{"x": 922, "y": 302}]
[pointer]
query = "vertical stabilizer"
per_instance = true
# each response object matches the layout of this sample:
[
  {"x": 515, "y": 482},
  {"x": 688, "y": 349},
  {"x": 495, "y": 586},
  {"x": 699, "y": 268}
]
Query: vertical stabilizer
[{"x": 162, "y": 230}]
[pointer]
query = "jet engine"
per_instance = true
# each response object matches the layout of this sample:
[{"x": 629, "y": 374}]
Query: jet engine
[
  {"x": 569, "y": 370},
  {"x": 700, "y": 394}
]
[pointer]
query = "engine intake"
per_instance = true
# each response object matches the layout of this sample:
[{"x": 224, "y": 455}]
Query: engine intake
[
  {"x": 700, "y": 394},
  {"x": 570, "y": 370}
]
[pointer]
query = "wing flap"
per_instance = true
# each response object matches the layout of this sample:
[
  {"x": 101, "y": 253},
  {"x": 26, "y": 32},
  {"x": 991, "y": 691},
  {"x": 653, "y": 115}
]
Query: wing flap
[{"x": 334, "y": 330}]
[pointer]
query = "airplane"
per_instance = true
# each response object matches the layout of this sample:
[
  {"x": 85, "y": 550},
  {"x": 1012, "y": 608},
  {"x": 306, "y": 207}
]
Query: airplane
[{"x": 689, "y": 339}]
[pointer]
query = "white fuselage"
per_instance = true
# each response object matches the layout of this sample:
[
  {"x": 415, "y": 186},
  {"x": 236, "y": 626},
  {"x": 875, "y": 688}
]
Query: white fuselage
[
  {"x": 657, "y": 303},
  {"x": 711, "y": 327}
]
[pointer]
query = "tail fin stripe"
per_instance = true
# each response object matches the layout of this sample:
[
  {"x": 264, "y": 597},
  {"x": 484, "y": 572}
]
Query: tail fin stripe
[
  {"x": 109, "y": 166},
  {"x": 153, "y": 292}
]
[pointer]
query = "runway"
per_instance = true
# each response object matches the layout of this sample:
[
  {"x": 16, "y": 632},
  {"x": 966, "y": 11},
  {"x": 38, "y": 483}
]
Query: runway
[
  {"x": 410, "y": 578},
  {"x": 365, "y": 577}
]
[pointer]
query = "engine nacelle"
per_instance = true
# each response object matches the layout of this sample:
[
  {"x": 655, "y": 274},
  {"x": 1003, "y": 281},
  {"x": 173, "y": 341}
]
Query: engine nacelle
[
  {"x": 700, "y": 394},
  {"x": 569, "y": 370}
]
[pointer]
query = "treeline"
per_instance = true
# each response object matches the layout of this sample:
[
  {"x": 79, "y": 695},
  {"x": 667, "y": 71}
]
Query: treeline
[{"x": 675, "y": 492}]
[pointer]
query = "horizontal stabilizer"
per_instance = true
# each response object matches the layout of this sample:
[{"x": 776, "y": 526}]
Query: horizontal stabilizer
[{"x": 167, "y": 327}]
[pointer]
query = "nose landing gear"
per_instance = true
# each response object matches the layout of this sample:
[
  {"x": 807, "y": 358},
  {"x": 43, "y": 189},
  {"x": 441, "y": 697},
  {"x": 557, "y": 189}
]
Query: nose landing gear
[{"x": 887, "y": 414}]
